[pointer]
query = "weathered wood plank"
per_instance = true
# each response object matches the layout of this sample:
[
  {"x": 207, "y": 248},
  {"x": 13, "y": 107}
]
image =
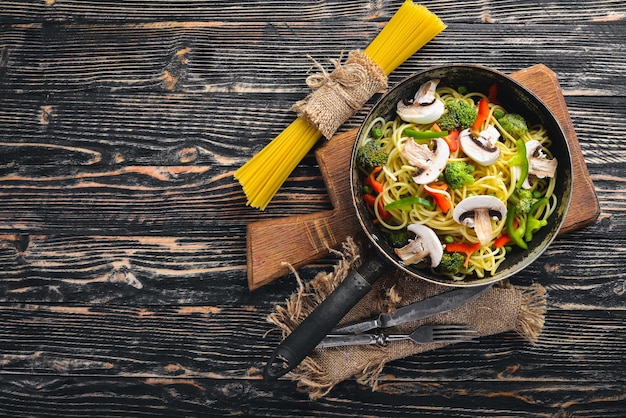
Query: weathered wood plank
[
  {"x": 245, "y": 58},
  {"x": 221, "y": 341},
  {"x": 154, "y": 270},
  {"x": 92, "y": 130},
  {"x": 214, "y": 131},
  {"x": 103, "y": 175},
  {"x": 355, "y": 10},
  {"x": 195, "y": 268},
  {"x": 121, "y": 202},
  {"x": 61, "y": 396}
]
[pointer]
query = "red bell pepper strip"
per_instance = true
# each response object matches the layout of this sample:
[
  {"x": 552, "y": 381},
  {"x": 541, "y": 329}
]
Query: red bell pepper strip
[
  {"x": 493, "y": 94},
  {"x": 483, "y": 113},
  {"x": 467, "y": 249},
  {"x": 370, "y": 199},
  {"x": 372, "y": 182},
  {"x": 440, "y": 198},
  {"x": 504, "y": 239},
  {"x": 450, "y": 138}
]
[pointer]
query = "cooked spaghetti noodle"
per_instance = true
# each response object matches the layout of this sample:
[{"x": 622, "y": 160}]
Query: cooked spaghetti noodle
[
  {"x": 497, "y": 179},
  {"x": 410, "y": 28}
]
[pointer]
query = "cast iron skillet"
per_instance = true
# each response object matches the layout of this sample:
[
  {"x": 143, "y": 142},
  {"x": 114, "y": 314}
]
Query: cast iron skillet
[{"x": 515, "y": 98}]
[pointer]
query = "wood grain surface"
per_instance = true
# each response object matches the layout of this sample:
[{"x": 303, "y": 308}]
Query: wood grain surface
[{"x": 123, "y": 278}]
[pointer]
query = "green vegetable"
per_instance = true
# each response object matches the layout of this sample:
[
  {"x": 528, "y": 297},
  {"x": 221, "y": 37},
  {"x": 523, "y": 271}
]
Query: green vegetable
[
  {"x": 523, "y": 200},
  {"x": 458, "y": 173},
  {"x": 459, "y": 113},
  {"x": 532, "y": 223},
  {"x": 451, "y": 263},
  {"x": 408, "y": 202},
  {"x": 377, "y": 133},
  {"x": 514, "y": 124},
  {"x": 520, "y": 160},
  {"x": 424, "y": 134},
  {"x": 515, "y": 234},
  {"x": 371, "y": 155},
  {"x": 398, "y": 238}
]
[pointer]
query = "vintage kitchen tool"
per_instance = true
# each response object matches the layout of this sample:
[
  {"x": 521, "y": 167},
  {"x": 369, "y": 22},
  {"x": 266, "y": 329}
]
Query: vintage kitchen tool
[
  {"x": 442, "y": 302},
  {"x": 475, "y": 78},
  {"x": 306, "y": 238},
  {"x": 426, "y": 334}
]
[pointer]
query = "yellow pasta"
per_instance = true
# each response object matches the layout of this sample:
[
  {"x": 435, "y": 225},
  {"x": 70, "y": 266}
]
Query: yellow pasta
[
  {"x": 497, "y": 179},
  {"x": 262, "y": 176},
  {"x": 410, "y": 28}
]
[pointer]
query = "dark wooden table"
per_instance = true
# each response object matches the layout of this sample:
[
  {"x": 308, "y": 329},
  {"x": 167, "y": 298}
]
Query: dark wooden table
[{"x": 123, "y": 286}]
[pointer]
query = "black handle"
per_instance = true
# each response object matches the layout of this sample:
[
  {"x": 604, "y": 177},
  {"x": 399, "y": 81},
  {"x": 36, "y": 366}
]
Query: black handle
[{"x": 314, "y": 328}]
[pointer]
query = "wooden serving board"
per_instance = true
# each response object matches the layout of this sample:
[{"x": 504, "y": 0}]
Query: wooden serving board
[{"x": 299, "y": 240}]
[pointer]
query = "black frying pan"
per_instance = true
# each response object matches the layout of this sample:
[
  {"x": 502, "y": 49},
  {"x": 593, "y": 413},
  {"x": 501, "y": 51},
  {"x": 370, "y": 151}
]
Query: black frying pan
[{"x": 515, "y": 98}]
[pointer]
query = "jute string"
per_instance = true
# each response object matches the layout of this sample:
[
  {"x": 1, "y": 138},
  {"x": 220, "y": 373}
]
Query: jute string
[
  {"x": 503, "y": 308},
  {"x": 336, "y": 96}
]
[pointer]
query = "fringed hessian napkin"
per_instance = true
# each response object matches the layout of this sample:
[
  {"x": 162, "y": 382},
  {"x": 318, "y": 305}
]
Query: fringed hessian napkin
[{"x": 503, "y": 308}]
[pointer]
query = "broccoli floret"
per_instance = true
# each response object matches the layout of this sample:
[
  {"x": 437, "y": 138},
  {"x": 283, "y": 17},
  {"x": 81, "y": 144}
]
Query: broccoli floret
[
  {"x": 459, "y": 114},
  {"x": 451, "y": 263},
  {"x": 458, "y": 173},
  {"x": 523, "y": 200},
  {"x": 514, "y": 124},
  {"x": 371, "y": 155},
  {"x": 398, "y": 238}
]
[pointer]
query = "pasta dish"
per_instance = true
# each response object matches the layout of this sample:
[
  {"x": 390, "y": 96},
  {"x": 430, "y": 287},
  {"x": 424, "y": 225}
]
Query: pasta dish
[{"x": 456, "y": 181}]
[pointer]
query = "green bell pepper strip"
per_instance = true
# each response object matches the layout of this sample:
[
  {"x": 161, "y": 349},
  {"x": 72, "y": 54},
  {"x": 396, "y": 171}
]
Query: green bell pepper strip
[
  {"x": 513, "y": 233},
  {"x": 520, "y": 160},
  {"x": 408, "y": 202},
  {"x": 532, "y": 223},
  {"x": 424, "y": 134}
]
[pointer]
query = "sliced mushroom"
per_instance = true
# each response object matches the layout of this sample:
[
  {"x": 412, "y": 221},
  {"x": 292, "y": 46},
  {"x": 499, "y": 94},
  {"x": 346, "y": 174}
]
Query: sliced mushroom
[
  {"x": 425, "y": 244},
  {"x": 538, "y": 163},
  {"x": 425, "y": 107},
  {"x": 430, "y": 163},
  {"x": 481, "y": 149},
  {"x": 476, "y": 212}
]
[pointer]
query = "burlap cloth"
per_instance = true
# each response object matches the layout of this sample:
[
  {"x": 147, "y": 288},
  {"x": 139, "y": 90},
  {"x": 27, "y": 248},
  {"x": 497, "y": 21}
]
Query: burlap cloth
[
  {"x": 336, "y": 96},
  {"x": 503, "y": 308}
]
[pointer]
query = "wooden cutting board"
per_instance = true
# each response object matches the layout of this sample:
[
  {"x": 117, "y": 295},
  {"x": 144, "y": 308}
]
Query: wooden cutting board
[{"x": 299, "y": 240}]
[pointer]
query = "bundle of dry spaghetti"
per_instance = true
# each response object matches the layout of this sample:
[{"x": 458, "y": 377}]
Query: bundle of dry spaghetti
[{"x": 335, "y": 98}]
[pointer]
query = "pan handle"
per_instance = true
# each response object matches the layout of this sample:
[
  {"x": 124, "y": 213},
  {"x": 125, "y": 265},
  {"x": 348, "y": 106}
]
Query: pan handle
[{"x": 305, "y": 337}]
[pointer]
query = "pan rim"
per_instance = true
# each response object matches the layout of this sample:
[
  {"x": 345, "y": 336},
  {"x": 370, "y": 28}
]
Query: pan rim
[{"x": 533, "y": 252}]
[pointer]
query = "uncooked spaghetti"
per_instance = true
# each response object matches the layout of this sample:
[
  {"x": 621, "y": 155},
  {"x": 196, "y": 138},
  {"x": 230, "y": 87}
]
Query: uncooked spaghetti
[{"x": 410, "y": 28}]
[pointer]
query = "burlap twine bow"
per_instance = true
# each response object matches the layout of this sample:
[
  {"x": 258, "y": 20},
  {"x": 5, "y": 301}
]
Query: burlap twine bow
[
  {"x": 336, "y": 96},
  {"x": 503, "y": 308}
]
